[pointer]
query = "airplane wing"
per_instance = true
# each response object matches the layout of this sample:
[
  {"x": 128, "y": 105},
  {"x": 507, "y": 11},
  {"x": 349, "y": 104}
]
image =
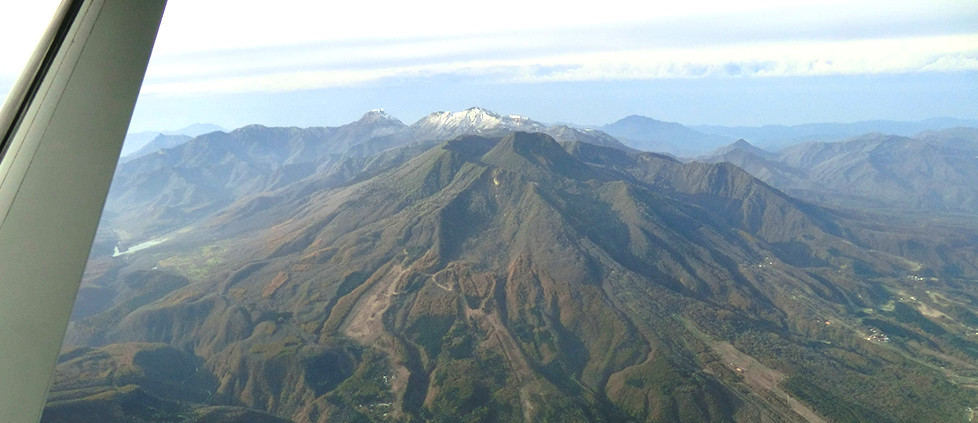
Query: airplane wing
[{"x": 62, "y": 130}]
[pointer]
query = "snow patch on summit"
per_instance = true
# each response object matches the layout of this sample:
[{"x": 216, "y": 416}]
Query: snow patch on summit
[
  {"x": 379, "y": 115},
  {"x": 476, "y": 120}
]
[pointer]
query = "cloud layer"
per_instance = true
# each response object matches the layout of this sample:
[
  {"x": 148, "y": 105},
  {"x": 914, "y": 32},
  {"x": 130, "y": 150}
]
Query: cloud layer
[
  {"x": 250, "y": 46},
  {"x": 260, "y": 48},
  {"x": 524, "y": 58}
]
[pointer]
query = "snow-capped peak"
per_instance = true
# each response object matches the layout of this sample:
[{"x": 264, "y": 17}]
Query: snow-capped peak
[
  {"x": 379, "y": 116},
  {"x": 475, "y": 120}
]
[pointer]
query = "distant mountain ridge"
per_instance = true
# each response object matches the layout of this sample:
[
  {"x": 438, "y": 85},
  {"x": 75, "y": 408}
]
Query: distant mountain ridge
[
  {"x": 647, "y": 134},
  {"x": 161, "y": 142},
  {"x": 478, "y": 121},
  {"x": 186, "y": 179},
  {"x": 138, "y": 140},
  {"x": 932, "y": 172},
  {"x": 475, "y": 120},
  {"x": 179, "y": 182},
  {"x": 638, "y": 132},
  {"x": 776, "y": 137}
]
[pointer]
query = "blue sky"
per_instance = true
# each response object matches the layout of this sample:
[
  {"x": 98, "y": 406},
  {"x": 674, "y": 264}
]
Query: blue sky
[{"x": 752, "y": 62}]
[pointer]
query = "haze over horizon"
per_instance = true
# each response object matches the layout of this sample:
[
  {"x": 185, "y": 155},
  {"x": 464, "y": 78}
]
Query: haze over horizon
[
  {"x": 385, "y": 212},
  {"x": 753, "y": 63}
]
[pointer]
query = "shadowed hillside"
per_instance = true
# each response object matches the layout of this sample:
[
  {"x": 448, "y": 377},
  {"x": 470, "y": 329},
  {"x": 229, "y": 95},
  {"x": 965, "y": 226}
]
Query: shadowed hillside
[
  {"x": 933, "y": 172},
  {"x": 514, "y": 278}
]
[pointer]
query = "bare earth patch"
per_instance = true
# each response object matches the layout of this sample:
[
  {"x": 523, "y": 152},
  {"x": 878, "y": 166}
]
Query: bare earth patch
[{"x": 755, "y": 374}]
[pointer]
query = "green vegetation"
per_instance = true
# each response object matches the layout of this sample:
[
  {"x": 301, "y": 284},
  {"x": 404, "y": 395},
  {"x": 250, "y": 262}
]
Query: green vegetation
[
  {"x": 286, "y": 347},
  {"x": 852, "y": 379},
  {"x": 368, "y": 386},
  {"x": 904, "y": 313},
  {"x": 835, "y": 407},
  {"x": 428, "y": 331},
  {"x": 472, "y": 390},
  {"x": 493, "y": 280},
  {"x": 143, "y": 288}
]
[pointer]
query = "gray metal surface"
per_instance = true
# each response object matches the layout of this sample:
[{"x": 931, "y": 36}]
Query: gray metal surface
[{"x": 53, "y": 181}]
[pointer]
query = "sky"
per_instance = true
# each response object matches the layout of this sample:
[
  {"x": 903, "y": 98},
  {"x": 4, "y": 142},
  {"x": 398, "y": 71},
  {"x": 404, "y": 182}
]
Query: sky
[{"x": 751, "y": 62}]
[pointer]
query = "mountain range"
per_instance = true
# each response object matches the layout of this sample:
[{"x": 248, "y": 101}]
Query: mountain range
[
  {"x": 637, "y": 132},
  {"x": 139, "y": 140},
  {"x": 161, "y": 142},
  {"x": 647, "y": 134},
  {"x": 481, "y": 267},
  {"x": 930, "y": 172},
  {"x": 175, "y": 186},
  {"x": 776, "y": 137}
]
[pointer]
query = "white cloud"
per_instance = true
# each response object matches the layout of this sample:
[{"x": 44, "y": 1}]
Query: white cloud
[
  {"x": 302, "y": 69},
  {"x": 249, "y": 45},
  {"x": 259, "y": 46},
  {"x": 223, "y": 24},
  {"x": 219, "y": 25},
  {"x": 952, "y": 63}
]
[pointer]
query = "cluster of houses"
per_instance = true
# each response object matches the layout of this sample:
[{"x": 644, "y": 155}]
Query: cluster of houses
[
  {"x": 877, "y": 335},
  {"x": 917, "y": 278}
]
